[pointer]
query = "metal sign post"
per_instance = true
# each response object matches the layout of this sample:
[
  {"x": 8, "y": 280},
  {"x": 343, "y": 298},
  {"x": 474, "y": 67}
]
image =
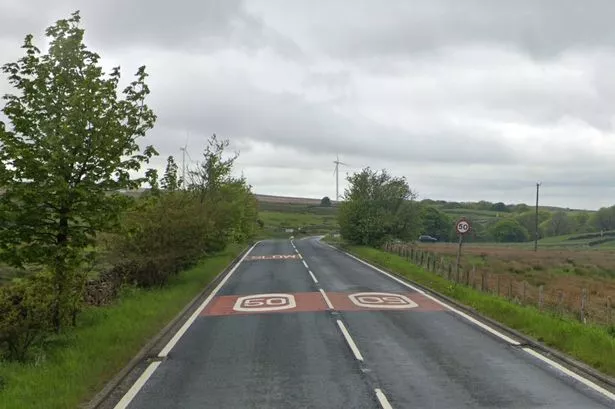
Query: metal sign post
[{"x": 462, "y": 227}]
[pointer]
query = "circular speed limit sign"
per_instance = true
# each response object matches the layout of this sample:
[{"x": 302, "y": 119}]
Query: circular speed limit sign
[{"x": 463, "y": 226}]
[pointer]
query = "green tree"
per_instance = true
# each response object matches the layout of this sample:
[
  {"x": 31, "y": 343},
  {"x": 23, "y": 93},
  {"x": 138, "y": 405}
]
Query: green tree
[
  {"x": 231, "y": 204},
  {"x": 509, "y": 230},
  {"x": 583, "y": 222},
  {"x": 528, "y": 219},
  {"x": 70, "y": 147},
  {"x": 499, "y": 207},
  {"x": 521, "y": 208},
  {"x": 378, "y": 206},
  {"x": 560, "y": 223},
  {"x": 604, "y": 219},
  {"x": 214, "y": 171},
  {"x": 325, "y": 202},
  {"x": 170, "y": 181},
  {"x": 436, "y": 223}
]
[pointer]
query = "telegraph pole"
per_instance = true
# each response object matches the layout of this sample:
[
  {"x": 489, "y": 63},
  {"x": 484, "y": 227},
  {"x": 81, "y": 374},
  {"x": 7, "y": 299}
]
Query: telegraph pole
[{"x": 536, "y": 220}]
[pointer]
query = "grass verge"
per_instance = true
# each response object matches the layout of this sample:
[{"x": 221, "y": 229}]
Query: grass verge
[
  {"x": 591, "y": 344},
  {"x": 78, "y": 363}
]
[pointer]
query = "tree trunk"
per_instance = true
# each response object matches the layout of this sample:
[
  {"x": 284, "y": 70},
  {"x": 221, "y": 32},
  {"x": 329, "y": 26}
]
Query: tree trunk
[{"x": 60, "y": 270}]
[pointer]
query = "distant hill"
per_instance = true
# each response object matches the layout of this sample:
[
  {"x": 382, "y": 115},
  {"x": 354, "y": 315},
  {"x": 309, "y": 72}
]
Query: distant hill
[
  {"x": 286, "y": 199},
  {"x": 289, "y": 200}
]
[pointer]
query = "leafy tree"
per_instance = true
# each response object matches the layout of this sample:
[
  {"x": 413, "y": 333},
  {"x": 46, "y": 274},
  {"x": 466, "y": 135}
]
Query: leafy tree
[
  {"x": 170, "y": 181},
  {"x": 70, "y": 147},
  {"x": 378, "y": 206},
  {"x": 234, "y": 206},
  {"x": 509, "y": 230},
  {"x": 325, "y": 202},
  {"x": 521, "y": 208},
  {"x": 214, "y": 171},
  {"x": 560, "y": 223},
  {"x": 436, "y": 223},
  {"x": 583, "y": 222},
  {"x": 604, "y": 219},
  {"x": 499, "y": 207},
  {"x": 528, "y": 219}
]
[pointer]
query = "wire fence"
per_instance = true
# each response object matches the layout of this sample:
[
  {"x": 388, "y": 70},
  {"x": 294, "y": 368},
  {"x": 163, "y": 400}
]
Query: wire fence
[{"x": 588, "y": 305}]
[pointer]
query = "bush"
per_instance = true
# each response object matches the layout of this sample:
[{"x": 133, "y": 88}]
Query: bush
[
  {"x": 509, "y": 230},
  {"x": 171, "y": 231},
  {"x": 25, "y": 315}
]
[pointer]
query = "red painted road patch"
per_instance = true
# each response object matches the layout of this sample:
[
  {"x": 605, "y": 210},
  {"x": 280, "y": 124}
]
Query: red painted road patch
[
  {"x": 265, "y": 304},
  {"x": 274, "y": 257},
  {"x": 314, "y": 302}
]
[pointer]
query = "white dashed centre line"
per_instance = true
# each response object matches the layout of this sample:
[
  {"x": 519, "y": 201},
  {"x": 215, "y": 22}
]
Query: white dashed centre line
[
  {"x": 313, "y": 276},
  {"x": 384, "y": 402},
  {"x": 350, "y": 341},
  {"x": 327, "y": 300}
]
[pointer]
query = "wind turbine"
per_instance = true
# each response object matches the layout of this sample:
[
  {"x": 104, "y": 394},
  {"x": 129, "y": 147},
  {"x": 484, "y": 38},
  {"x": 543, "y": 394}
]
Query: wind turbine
[
  {"x": 337, "y": 177},
  {"x": 184, "y": 150}
]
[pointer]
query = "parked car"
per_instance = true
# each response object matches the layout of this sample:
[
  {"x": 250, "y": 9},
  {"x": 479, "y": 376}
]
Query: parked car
[{"x": 427, "y": 239}]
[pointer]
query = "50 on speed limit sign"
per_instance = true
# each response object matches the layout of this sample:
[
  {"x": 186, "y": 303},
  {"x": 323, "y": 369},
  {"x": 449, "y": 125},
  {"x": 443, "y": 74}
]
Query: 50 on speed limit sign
[{"x": 463, "y": 226}]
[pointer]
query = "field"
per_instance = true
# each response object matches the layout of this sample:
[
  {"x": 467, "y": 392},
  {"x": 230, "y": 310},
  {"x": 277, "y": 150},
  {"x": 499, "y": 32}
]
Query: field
[
  {"x": 305, "y": 217},
  {"x": 563, "y": 272}
]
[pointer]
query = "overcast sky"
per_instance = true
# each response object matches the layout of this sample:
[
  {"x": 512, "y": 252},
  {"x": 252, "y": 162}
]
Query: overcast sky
[{"x": 469, "y": 99}]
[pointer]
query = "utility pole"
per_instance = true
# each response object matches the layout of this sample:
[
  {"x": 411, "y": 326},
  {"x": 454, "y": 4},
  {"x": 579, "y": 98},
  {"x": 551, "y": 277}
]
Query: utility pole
[{"x": 536, "y": 220}]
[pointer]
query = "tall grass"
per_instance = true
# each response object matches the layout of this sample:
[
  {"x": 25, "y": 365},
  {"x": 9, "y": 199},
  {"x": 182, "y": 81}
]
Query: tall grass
[
  {"x": 591, "y": 344},
  {"x": 76, "y": 364}
]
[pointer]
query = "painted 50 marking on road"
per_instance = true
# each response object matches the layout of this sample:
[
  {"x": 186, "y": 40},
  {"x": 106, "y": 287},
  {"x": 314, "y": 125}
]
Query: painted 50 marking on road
[
  {"x": 382, "y": 301},
  {"x": 265, "y": 302}
]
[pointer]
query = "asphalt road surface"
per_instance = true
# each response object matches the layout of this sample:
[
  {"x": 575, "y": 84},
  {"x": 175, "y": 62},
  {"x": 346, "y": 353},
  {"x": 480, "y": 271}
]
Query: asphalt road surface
[{"x": 301, "y": 325}]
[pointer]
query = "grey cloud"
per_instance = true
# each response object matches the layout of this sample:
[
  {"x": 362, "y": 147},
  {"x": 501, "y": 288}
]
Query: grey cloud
[
  {"x": 241, "y": 111},
  {"x": 193, "y": 27},
  {"x": 542, "y": 28}
]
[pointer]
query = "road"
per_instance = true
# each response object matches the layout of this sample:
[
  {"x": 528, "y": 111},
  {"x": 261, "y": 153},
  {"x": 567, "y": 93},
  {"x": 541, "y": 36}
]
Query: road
[{"x": 301, "y": 325}]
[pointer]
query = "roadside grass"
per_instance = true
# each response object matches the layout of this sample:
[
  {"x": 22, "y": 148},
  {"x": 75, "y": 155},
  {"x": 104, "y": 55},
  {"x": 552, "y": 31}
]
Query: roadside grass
[
  {"x": 593, "y": 345},
  {"x": 73, "y": 366}
]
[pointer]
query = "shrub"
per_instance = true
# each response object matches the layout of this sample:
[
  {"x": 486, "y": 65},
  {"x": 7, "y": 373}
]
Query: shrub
[{"x": 25, "y": 314}]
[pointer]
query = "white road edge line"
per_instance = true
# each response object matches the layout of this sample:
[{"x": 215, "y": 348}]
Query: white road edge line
[
  {"x": 384, "y": 402},
  {"x": 305, "y": 264},
  {"x": 165, "y": 351},
  {"x": 136, "y": 387},
  {"x": 350, "y": 341},
  {"x": 538, "y": 355},
  {"x": 313, "y": 276},
  {"x": 327, "y": 300},
  {"x": 456, "y": 311},
  {"x": 568, "y": 372}
]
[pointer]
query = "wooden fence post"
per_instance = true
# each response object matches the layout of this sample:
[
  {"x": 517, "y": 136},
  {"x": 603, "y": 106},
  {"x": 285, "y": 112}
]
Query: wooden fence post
[
  {"x": 510, "y": 288},
  {"x": 450, "y": 272},
  {"x": 524, "y": 290},
  {"x": 540, "y": 297},
  {"x": 497, "y": 284},
  {"x": 482, "y": 281},
  {"x": 560, "y": 302},
  {"x": 583, "y": 305},
  {"x": 608, "y": 310}
]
